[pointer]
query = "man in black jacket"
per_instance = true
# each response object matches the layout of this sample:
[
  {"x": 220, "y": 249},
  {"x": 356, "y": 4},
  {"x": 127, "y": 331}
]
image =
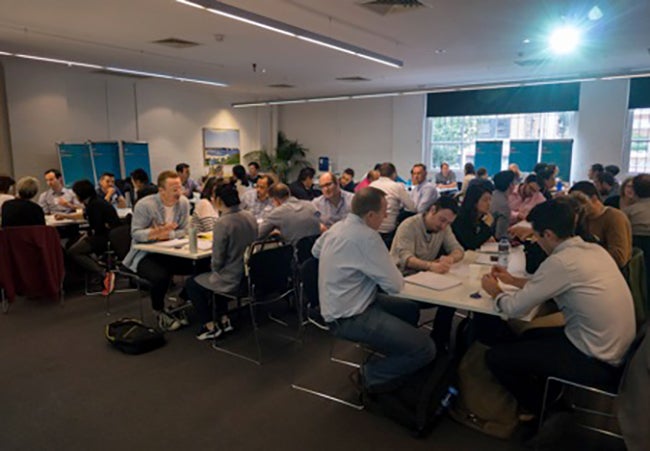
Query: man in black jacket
[{"x": 303, "y": 188}]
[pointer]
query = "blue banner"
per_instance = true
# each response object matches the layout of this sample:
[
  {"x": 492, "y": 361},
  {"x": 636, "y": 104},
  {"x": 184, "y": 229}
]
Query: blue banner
[
  {"x": 524, "y": 154},
  {"x": 76, "y": 163},
  {"x": 106, "y": 156},
  {"x": 488, "y": 155},
  {"x": 558, "y": 152},
  {"x": 136, "y": 155}
]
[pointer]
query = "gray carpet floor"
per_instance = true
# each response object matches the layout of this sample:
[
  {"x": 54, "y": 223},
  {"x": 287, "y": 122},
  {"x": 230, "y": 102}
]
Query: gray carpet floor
[{"x": 62, "y": 387}]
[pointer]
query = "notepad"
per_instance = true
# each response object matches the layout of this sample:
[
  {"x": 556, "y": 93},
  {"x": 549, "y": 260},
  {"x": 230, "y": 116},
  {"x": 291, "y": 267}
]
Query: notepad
[
  {"x": 204, "y": 245},
  {"x": 432, "y": 280},
  {"x": 490, "y": 248},
  {"x": 487, "y": 259}
]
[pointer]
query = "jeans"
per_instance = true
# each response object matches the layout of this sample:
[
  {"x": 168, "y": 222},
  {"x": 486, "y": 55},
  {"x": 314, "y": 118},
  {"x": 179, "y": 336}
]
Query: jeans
[
  {"x": 389, "y": 327},
  {"x": 159, "y": 269},
  {"x": 80, "y": 252},
  {"x": 523, "y": 366}
]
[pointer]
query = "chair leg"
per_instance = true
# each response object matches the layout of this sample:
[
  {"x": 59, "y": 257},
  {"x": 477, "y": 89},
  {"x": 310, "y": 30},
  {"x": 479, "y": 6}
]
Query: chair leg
[{"x": 5, "y": 301}]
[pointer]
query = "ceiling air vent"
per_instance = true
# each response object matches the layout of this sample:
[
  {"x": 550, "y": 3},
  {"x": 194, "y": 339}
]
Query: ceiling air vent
[
  {"x": 281, "y": 85},
  {"x": 176, "y": 43},
  {"x": 119, "y": 74},
  {"x": 355, "y": 78},
  {"x": 385, "y": 7}
]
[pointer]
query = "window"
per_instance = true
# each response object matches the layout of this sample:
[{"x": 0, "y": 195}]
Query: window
[
  {"x": 453, "y": 139},
  {"x": 640, "y": 140}
]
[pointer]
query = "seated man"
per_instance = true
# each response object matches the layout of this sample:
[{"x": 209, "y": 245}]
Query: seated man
[
  {"x": 160, "y": 217},
  {"x": 446, "y": 178},
  {"x": 499, "y": 207},
  {"x": 109, "y": 191},
  {"x": 58, "y": 198},
  {"x": 190, "y": 186},
  {"x": 257, "y": 201},
  {"x": 293, "y": 218},
  {"x": 334, "y": 204},
  {"x": 303, "y": 188},
  {"x": 396, "y": 198},
  {"x": 423, "y": 193},
  {"x": 590, "y": 291},
  {"x": 347, "y": 180},
  {"x": 420, "y": 239},
  {"x": 609, "y": 225},
  {"x": 353, "y": 262},
  {"x": 639, "y": 212},
  {"x": 142, "y": 187},
  {"x": 101, "y": 217}
]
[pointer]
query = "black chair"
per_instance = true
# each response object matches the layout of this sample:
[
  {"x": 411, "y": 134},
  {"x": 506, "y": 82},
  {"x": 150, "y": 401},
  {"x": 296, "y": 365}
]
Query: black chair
[
  {"x": 271, "y": 278},
  {"x": 303, "y": 248},
  {"x": 308, "y": 271},
  {"x": 119, "y": 244}
]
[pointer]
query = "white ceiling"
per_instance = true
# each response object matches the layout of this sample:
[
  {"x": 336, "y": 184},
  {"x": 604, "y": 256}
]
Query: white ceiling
[{"x": 481, "y": 40}]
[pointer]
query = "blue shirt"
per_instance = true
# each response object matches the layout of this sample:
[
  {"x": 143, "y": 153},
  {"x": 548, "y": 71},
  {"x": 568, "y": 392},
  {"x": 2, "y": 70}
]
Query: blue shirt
[
  {"x": 423, "y": 195},
  {"x": 353, "y": 261},
  {"x": 330, "y": 213},
  {"x": 49, "y": 201},
  {"x": 252, "y": 203}
]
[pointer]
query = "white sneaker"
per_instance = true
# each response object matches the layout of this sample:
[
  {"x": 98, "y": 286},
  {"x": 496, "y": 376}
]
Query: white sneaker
[
  {"x": 167, "y": 322},
  {"x": 226, "y": 325}
]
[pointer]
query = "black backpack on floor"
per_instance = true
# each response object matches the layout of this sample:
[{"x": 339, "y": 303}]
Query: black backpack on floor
[
  {"x": 414, "y": 402},
  {"x": 131, "y": 336}
]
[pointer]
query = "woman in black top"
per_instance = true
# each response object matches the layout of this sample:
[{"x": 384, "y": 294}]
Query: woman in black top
[
  {"x": 22, "y": 211},
  {"x": 102, "y": 217},
  {"x": 474, "y": 225}
]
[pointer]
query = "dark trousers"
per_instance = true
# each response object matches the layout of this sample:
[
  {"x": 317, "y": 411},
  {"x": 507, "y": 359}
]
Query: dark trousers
[
  {"x": 523, "y": 366},
  {"x": 202, "y": 299},
  {"x": 80, "y": 253},
  {"x": 159, "y": 269}
]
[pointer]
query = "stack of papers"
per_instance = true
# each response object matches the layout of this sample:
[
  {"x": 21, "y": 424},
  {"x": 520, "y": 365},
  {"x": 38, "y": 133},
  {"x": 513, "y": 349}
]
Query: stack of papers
[
  {"x": 204, "y": 245},
  {"x": 178, "y": 242},
  {"x": 490, "y": 248},
  {"x": 432, "y": 280}
]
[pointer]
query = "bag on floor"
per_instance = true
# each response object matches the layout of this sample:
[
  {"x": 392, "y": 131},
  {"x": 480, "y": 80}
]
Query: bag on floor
[
  {"x": 483, "y": 404},
  {"x": 131, "y": 336},
  {"x": 414, "y": 402}
]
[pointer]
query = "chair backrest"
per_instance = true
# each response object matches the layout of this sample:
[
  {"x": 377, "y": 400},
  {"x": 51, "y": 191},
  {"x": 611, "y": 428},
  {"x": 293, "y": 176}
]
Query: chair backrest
[
  {"x": 271, "y": 270},
  {"x": 303, "y": 247},
  {"x": 35, "y": 257},
  {"x": 636, "y": 275},
  {"x": 308, "y": 271},
  {"x": 120, "y": 240}
]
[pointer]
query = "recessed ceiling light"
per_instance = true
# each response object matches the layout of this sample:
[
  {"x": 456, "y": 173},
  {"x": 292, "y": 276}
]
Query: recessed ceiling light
[
  {"x": 526, "y": 41},
  {"x": 439, "y": 51},
  {"x": 595, "y": 14}
]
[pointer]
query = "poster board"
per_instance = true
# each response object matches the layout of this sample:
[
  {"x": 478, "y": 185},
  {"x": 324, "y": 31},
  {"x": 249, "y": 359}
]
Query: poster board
[
  {"x": 106, "y": 158},
  {"x": 524, "y": 153},
  {"x": 76, "y": 162},
  {"x": 488, "y": 155},
  {"x": 136, "y": 155},
  {"x": 559, "y": 152}
]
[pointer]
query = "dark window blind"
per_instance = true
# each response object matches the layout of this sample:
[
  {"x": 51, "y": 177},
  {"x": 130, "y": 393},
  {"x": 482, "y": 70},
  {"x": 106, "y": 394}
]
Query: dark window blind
[{"x": 639, "y": 93}]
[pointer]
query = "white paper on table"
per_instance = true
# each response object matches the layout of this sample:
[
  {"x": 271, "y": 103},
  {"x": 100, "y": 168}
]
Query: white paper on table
[
  {"x": 486, "y": 259},
  {"x": 491, "y": 248},
  {"x": 204, "y": 245},
  {"x": 178, "y": 242},
  {"x": 432, "y": 280}
]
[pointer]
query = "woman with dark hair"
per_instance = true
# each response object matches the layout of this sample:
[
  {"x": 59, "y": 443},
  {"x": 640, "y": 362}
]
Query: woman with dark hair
[
  {"x": 545, "y": 179},
  {"x": 234, "y": 231},
  {"x": 470, "y": 174},
  {"x": 205, "y": 211},
  {"x": 242, "y": 183},
  {"x": 474, "y": 224},
  {"x": 101, "y": 217}
]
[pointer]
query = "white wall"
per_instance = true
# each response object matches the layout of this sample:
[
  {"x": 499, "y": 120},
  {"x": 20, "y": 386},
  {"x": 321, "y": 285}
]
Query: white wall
[
  {"x": 48, "y": 104},
  {"x": 601, "y": 132},
  {"x": 359, "y": 133}
]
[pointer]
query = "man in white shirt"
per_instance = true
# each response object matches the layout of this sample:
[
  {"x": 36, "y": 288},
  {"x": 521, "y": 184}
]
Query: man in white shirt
[
  {"x": 58, "y": 198},
  {"x": 334, "y": 204},
  {"x": 423, "y": 193},
  {"x": 396, "y": 198},
  {"x": 353, "y": 264},
  {"x": 588, "y": 288}
]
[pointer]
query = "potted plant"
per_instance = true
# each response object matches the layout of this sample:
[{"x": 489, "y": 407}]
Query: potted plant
[{"x": 288, "y": 155}]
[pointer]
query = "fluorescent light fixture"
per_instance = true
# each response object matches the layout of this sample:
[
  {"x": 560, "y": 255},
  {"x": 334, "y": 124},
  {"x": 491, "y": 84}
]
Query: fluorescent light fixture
[
  {"x": 375, "y": 96},
  {"x": 564, "y": 39},
  {"x": 328, "y": 99},
  {"x": 249, "y": 105},
  {"x": 286, "y": 102},
  {"x": 112, "y": 69},
  {"x": 241, "y": 15}
]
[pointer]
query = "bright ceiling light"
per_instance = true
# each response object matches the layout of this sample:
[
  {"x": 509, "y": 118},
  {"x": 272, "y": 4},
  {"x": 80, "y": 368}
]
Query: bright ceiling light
[
  {"x": 564, "y": 39},
  {"x": 595, "y": 14}
]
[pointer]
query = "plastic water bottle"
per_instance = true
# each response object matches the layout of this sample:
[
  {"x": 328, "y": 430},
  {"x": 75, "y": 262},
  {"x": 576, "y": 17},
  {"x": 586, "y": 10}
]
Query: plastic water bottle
[
  {"x": 559, "y": 186},
  {"x": 445, "y": 402},
  {"x": 193, "y": 239},
  {"x": 504, "y": 252}
]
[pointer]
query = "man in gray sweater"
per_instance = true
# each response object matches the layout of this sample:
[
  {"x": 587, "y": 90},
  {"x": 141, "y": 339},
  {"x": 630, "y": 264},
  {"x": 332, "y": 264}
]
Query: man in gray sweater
[
  {"x": 293, "y": 218},
  {"x": 504, "y": 184}
]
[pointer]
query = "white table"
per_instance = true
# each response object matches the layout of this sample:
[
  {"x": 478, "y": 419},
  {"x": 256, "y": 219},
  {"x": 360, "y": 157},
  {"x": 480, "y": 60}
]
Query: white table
[
  {"x": 459, "y": 296},
  {"x": 182, "y": 251},
  {"x": 51, "y": 221},
  {"x": 124, "y": 212}
]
